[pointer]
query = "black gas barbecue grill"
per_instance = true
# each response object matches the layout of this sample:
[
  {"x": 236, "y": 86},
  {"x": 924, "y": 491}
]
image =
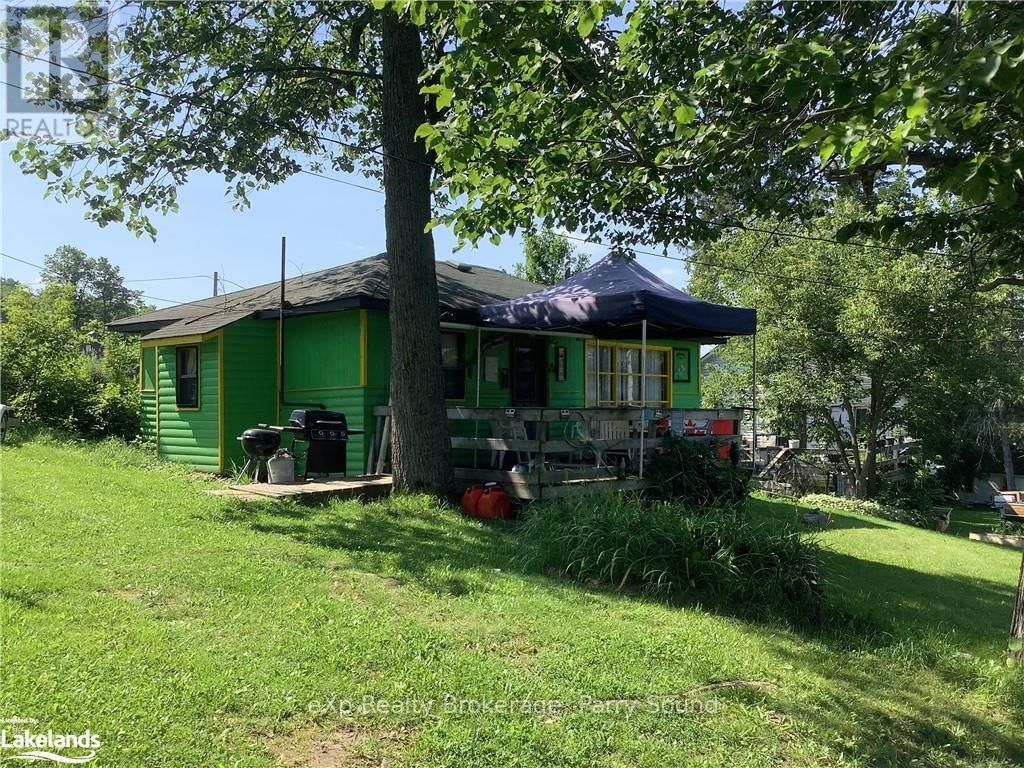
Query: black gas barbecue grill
[{"x": 326, "y": 436}]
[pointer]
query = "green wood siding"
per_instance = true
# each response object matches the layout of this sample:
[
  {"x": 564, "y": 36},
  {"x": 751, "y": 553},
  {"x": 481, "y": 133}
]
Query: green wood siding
[
  {"x": 570, "y": 393},
  {"x": 685, "y": 394},
  {"x": 189, "y": 435},
  {"x": 249, "y": 380},
  {"x": 323, "y": 365}
]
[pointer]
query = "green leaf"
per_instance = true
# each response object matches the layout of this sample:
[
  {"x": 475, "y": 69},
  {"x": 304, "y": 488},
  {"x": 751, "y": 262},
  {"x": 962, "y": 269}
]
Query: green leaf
[
  {"x": 589, "y": 16},
  {"x": 418, "y": 12},
  {"x": 827, "y": 149},
  {"x": 495, "y": 239},
  {"x": 885, "y": 99},
  {"x": 1005, "y": 195},
  {"x": 918, "y": 109},
  {"x": 795, "y": 89},
  {"x": 988, "y": 71},
  {"x": 813, "y": 136},
  {"x": 425, "y": 131},
  {"x": 858, "y": 149},
  {"x": 685, "y": 114},
  {"x": 444, "y": 97},
  {"x": 507, "y": 142}
]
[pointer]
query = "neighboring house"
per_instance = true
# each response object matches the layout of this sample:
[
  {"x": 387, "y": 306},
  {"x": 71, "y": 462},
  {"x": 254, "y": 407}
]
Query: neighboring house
[
  {"x": 212, "y": 368},
  {"x": 861, "y": 411}
]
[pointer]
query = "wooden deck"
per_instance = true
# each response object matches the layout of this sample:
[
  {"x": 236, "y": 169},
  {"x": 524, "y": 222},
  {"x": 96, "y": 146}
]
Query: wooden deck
[
  {"x": 363, "y": 487},
  {"x": 548, "y": 453}
]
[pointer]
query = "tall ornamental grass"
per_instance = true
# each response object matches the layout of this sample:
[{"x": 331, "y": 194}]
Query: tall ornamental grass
[{"x": 661, "y": 548}]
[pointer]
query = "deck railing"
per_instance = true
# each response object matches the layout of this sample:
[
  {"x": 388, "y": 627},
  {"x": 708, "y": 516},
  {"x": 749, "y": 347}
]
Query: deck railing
[{"x": 548, "y": 452}]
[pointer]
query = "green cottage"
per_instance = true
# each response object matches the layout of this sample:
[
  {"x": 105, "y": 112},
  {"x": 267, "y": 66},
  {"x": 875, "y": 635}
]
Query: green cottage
[{"x": 212, "y": 368}]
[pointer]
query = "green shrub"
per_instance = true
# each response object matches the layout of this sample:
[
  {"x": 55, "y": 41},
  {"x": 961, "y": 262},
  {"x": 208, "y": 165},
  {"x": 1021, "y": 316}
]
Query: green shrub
[
  {"x": 1010, "y": 528},
  {"x": 660, "y": 548},
  {"x": 919, "y": 490},
  {"x": 690, "y": 472},
  {"x": 826, "y": 503},
  {"x": 61, "y": 377}
]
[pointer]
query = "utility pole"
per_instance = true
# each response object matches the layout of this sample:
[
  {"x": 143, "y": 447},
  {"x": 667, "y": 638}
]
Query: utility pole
[
  {"x": 215, "y": 276},
  {"x": 1016, "y": 644}
]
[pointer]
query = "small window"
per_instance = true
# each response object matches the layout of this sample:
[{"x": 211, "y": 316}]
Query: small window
[
  {"x": 453, "y": 363},
  {"x": 187, "y": 377},
  {"x": 148, "y": 375}
]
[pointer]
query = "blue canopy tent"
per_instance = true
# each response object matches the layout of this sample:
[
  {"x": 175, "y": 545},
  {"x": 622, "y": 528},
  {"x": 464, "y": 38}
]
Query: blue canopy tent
[{"x": 615, "y": 298}]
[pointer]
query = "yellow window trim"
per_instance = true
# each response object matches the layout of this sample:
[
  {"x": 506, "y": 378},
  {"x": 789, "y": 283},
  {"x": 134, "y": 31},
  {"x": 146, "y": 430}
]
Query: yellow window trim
[
  {"x": 199, "y": 378},
  {"x": 142, "y": 370},
  {"x": 613, "y": 345},
  {"x": 156, "y": 371},
  {"x": 220, "y": 399}
]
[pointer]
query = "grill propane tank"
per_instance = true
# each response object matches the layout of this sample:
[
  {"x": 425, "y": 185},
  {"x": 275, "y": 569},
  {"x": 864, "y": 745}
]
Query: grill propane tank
[{"x": 494, "y": 503}]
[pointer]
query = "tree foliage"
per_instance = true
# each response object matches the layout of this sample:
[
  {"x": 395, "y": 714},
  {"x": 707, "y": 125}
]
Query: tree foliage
[
  {"x": 549, "y": 258},
  {"x": 660, "y": 124},
  {"x": 98, "y": 288},
  {"x": 886, "y": 339},
  {"x": 57, "y": 374}
]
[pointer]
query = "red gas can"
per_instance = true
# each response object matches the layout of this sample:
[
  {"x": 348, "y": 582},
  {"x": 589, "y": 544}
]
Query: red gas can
[
  {"x": 494, "y": 503},
  {"x": 471, "y": 498}
]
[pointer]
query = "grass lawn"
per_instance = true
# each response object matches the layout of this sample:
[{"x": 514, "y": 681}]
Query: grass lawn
[
  {"x": 187, "y": 630},
  {"x": 965, "y": 520}
]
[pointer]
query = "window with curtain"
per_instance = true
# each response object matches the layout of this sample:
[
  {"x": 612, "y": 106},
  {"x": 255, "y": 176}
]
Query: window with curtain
[
  {"x": 614, "y": 375},
  {"x": 453, "y": 363},
  {"x": 186, "y": 377}
]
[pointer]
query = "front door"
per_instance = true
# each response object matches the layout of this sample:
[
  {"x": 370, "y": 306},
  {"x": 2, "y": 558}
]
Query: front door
[{"x": 529, "y": 372}]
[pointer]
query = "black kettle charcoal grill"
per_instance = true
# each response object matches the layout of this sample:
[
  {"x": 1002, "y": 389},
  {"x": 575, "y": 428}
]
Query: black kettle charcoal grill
[{"x": 259, "y": 445}]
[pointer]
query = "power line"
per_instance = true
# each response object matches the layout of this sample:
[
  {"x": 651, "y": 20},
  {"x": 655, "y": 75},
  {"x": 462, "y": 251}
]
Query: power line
[
  {"x": 222, "y": 303},
  {"x": 165, "y": 279}
]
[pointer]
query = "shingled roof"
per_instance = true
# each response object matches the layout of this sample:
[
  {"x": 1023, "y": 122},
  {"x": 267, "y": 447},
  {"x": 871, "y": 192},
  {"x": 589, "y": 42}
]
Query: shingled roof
[{"x": 462, "y": 289}]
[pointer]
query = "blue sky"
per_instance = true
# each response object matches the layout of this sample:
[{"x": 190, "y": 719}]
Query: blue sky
[{"x": 326, "y": 224}]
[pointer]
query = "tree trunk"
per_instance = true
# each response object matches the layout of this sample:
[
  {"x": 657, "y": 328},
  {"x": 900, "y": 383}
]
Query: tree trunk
[
  {"x": 870, "y": 469},
  {"x": 1008, "y": 468},
  {"x": 1017, "y": 622},
  {"x": 421, "y": 451}
]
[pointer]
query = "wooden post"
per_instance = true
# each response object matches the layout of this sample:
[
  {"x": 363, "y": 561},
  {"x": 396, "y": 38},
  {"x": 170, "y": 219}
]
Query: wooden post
[
  {"x": 643, "y": 391},
  {"x": 385, "y": 443},
  {"x": 539, "y": 459},
  {"x": 1016, "y": 645}
]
